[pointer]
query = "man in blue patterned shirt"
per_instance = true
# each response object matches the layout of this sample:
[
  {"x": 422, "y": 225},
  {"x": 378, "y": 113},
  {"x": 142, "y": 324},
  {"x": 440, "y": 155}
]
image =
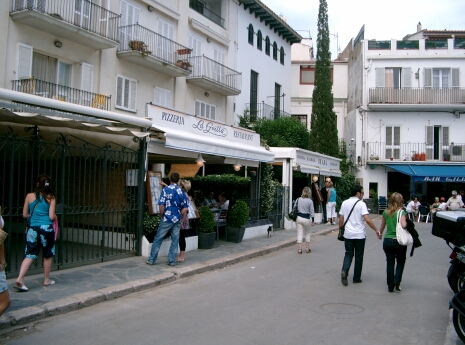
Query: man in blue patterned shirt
[{"x": 173, "y": 208}]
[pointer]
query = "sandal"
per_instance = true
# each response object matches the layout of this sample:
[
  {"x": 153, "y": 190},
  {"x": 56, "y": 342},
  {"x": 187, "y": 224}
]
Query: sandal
[
  {"x": 21, "y": 287},
  {"x": 299, "y": 251},
  {"x": 308, "y": 250},
  {"x": 178, "y": 259}
]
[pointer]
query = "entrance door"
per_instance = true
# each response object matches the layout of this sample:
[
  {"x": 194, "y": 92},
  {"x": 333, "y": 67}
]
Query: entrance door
[
  {"x": 277, "y": 100},
  {"x": 437, "y": 143}
]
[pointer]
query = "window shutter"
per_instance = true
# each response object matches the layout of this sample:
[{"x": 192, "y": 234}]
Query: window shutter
[
  {"x": 213, "y": 112},
  {"x": 396, "y": 135},
  {"x": 24, "y": 61},
  {"x": 388, "y": 135},
  {"x": 455, "y": 77},
  {"x": 119, "y": 91},
  {"x": 87, "y": 72},
  {"x": 168, "y": 99},
  {"x": 445, "y": 136},
  {"x": 380, "y": 75},
  {"x": 157, "y": 96},
  {"x": 133, "y": 93},
  {"x": 124, "y": 13},
  {"x": 126, "y": 93},
  {"x": 429, "y": 135},
  {"x": 197, "y": 108},
  {"x": 202, "y": 109},
  {"x": 406, "y": 77},
  {"x": 428, "y": 77},
  {"x": 207, "y": 111}
]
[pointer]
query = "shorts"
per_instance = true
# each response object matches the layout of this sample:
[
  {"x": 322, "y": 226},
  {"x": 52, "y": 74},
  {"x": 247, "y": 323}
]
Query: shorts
[
  {"x": 3, "y": 284},
  {"x": 38, "y": 237}
]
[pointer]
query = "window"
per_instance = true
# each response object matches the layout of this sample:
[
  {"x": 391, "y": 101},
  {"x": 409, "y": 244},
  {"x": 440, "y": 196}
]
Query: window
[
  {"x": 253, "y": 95},
  {"x": 307, "y": 75},
  {"x": 392, "y": 142},
  {"x": 437, "y": 142},
  {"x": 250, "y": 34},
  {"x": 129, "y": 16},
  {"x": 205, "y": 110},
  {"x": 162, "y": 97},
  {"x": 394, "y": 77},
  {"x": 219, "y": 68},
  {"x": 301, "y": 118},
  {"x": 126, "y": 91},
  {"x": 275, "y": 51},
  {"x": 277, "y": 100},
  {"x": 441, "y": 78},
  {"x": 165, "y": 47},
  {"x": 281, "y": 56},
  {"x": 259, "y": 40},
  {"x": 267, "y": 46}
]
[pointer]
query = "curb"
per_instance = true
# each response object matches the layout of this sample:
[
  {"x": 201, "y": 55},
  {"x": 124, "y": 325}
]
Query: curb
[{"x": 86, "y": 299}]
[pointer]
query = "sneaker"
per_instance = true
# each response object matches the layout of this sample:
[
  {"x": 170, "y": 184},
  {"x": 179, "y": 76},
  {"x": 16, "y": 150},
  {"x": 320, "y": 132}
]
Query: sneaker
[
  {"x": 398, "y": 287},
  {"x": 149, "y": 263},
  {"x": 171, "y": 264},
  {"x": 329, "y": 223},
  {"x": 357, "y": 281},
  {"x": 333, "y": 223},
  {"x": 344, "y": 278}
]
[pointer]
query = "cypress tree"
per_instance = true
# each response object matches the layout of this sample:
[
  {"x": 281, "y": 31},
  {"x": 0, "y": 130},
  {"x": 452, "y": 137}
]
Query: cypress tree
[{"x": 323, "y": 134}]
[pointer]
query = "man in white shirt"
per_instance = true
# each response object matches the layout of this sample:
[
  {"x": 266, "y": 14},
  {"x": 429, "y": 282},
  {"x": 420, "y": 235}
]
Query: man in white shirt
[
  {"x": 354, "y": 234},
  {"x": 443, "y": 205},
  {"x": 413, "y": 208},
  {"x": 454, "y": 203}
]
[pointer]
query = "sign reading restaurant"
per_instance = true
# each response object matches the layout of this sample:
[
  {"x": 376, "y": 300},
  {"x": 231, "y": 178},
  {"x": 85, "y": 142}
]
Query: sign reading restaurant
[
  {"x": 168, "y": 118},
  {"x": 304, "y": 157}
]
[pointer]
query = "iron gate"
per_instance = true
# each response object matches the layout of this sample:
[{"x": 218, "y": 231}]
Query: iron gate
[{"x": 96, "y": 202}]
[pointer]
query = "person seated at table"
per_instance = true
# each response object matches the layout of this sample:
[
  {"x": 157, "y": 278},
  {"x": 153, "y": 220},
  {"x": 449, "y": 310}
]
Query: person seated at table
[
  {"x": 413, "y": 208},
  {"x": 224, "y": 201},
  {"x": 442, "y": 205},
  {"x": 210, "y": 200},
  {"x": 434, "y": 206}
]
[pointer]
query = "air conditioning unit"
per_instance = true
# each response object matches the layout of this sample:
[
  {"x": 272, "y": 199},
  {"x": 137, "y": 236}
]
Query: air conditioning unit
[{"x": 457, "y": 153}]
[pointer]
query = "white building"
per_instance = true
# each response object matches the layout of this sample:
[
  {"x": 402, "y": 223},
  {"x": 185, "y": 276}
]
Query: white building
[{"x": 405, "y": 111}]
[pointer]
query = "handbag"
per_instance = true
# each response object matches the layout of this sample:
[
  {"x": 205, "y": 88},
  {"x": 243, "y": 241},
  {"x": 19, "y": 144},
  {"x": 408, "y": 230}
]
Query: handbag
[
  {"x": 342, "y": 229},
  {"x": 293, "y": 214},
  {"x": 403, "y": 236}
]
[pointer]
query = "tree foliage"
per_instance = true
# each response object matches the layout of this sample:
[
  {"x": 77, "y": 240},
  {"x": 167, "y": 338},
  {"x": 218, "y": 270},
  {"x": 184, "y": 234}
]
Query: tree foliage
[
  {"x": 347, "y": 180},
  {"x": 323, "y": 134}
]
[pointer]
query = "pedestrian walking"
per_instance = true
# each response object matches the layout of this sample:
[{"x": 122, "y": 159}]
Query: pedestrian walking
[
  {"x": 39, "y": 207},
  {"x": 305, "y": 219},
  {"x": 185, "y": 186},
  {"x": 173, "y": 208},
  {"x": 393, "y": 250},
  {"x": 331, "y": 204},
  {"x": 5, "y": 301},
  {"x": 355, "y": 233},
  {"x": 324, "y": 196}
]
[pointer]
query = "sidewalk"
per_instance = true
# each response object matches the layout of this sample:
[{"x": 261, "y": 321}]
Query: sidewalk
[{"x": 85, "y": 286}]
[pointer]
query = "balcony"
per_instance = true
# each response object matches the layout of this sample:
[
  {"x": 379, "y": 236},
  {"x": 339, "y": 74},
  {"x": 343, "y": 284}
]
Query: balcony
[
  {"x": 148, "y": 49},
  {"x": 447, "y": 99},
  {"x": 200, "y": 7},
  {"x": 213, "y": 76},
  {"x": 264, "y": 111},
  {"x": 79, "y": 21},
  {"x": 62, "y": 93},
  {"x": 409, "y": 152}
]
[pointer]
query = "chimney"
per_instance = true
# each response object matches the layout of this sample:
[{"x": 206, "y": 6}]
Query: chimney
[{"x": 418, "y": 27}]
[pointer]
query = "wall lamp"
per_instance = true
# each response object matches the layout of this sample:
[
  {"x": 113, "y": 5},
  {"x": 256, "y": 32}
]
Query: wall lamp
[
  {"x": 237, "y": 166},
  {"x": 58, "y": 44},
  {"x": 200, "y": 160},
  {"x": 206, "y": 94},
  {"x": 150, "y": 8}
]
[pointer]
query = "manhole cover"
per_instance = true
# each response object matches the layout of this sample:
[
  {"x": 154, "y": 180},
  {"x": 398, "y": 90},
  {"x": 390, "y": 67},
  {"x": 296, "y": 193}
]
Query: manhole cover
[{"x": 342, "y": 308}]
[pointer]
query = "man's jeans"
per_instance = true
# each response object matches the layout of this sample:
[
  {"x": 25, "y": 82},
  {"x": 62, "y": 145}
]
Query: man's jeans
[
  {"x": 394, "y": 251},
  {"x": 163, "y": 229},
  {"x": 325, "y": 219},
  {"x": 356, "y": 246}
]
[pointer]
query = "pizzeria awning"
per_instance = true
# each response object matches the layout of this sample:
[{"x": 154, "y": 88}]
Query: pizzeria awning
[{"x": 431, "y": 173}]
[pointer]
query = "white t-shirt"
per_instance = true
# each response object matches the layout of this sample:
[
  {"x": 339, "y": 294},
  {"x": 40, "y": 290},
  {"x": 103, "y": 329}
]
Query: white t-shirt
[
  {"x": 355, "y": 228},
  {"x": 225, "y": 206},
  {"x": 443, "y": 206},
  {"x": 410, "y": 206}
]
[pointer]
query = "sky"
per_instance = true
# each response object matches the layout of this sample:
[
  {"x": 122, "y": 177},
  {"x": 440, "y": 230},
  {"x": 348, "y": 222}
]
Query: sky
[{"x": 383, "y": 20}]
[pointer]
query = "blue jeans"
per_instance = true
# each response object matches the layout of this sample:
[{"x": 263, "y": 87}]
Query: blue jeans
[
  {"x": 356, "y": 246},
  {"x": 394, "y": 251},
  {"x": 163, "y": 229}
]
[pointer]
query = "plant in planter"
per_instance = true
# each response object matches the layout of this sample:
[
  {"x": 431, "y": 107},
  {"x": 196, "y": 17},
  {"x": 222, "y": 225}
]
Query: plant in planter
[
  {"x": 150, "y": 225},
  {"x": 206, "y": 228},
  {"x": 237, "y": 217}
]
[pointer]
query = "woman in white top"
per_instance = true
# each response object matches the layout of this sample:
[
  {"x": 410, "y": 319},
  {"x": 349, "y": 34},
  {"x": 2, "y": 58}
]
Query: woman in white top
[{"x": 305, "y": 219}]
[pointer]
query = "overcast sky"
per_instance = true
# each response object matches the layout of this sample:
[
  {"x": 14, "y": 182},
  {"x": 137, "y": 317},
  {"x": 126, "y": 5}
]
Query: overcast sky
[{"x": 383, "y": 20}]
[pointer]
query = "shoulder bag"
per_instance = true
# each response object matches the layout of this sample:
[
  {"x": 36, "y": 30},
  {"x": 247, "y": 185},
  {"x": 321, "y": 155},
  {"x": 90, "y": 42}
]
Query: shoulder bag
[
  {"x": 403, "y": 236},
  {"x": 342, "y": 229},
  {"x": 293, "y": 214}
]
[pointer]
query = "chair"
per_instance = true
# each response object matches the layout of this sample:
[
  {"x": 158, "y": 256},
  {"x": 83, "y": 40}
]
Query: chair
[
  {"x": 423, "y": 212},
  {"x": 221, "y": 222},
  {"x": 382, "y": 204}
]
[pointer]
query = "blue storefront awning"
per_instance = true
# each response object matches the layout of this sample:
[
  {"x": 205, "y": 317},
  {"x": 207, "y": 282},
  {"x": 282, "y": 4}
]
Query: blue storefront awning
[{"x": 432, "y": 173}]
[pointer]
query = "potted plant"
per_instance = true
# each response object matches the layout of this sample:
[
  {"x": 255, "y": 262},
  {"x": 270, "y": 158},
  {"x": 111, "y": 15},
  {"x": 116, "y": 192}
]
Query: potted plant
[
  {"x": 150, "y": 225},
  {"x": 137, "y": 45},
  {"x": 206, "y": 228},
  {"x": 179, "y": 63},
  {"x": 237, "y": 217},
  {"x": 184, "y": 51}
]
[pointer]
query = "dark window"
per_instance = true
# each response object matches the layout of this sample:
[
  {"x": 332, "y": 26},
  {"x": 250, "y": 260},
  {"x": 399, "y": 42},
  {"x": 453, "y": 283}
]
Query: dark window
[
  {"x": 281, "y": 56},
  {"x": 277, "y": 100},
  {"x": 251, "y": 34},
  {"x": 275, "y": 51},
  {"x": 259, "y": 40},
  {"x": 267, "y": 46},
  {"x": 301, "y": 118},
  {"x": 253, "y": 95}
]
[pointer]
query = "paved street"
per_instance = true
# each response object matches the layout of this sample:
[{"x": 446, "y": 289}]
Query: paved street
[{"x": 279, "y": 298}]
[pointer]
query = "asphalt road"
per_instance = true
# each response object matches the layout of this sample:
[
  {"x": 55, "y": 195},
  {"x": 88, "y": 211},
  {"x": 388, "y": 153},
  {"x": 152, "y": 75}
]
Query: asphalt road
[{"x": 280, "y": 298}]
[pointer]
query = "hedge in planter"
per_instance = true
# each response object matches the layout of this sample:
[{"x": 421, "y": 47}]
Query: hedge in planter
[
  {"x": 150, "y": 225},
  {"x": 206, "y": 228},
  {"x": 237, "y": 217}
]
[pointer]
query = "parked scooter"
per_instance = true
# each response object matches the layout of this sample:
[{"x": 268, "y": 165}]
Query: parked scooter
[
  {"x": 458, "y": 314},
  {"x": 456, "y": 274}
]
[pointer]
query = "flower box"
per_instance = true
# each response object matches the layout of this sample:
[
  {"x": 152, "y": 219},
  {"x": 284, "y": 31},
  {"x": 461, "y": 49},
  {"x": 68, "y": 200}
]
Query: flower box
[{"x": 184, "y": 51}]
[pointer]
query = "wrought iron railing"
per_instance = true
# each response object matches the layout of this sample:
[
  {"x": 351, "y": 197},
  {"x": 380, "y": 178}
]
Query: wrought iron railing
[
  {"x": 83, "y": 14},
  {"x": 417, "y": 95},
  {"x": 203, "y": 67},
  {"x": 199, "y": 7},
  {"x": 264, "y": 111},
  {"x": 148, "y": 43},
  {"x": 62, "y": 93},
  {"x": 447, "y": 152}
]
